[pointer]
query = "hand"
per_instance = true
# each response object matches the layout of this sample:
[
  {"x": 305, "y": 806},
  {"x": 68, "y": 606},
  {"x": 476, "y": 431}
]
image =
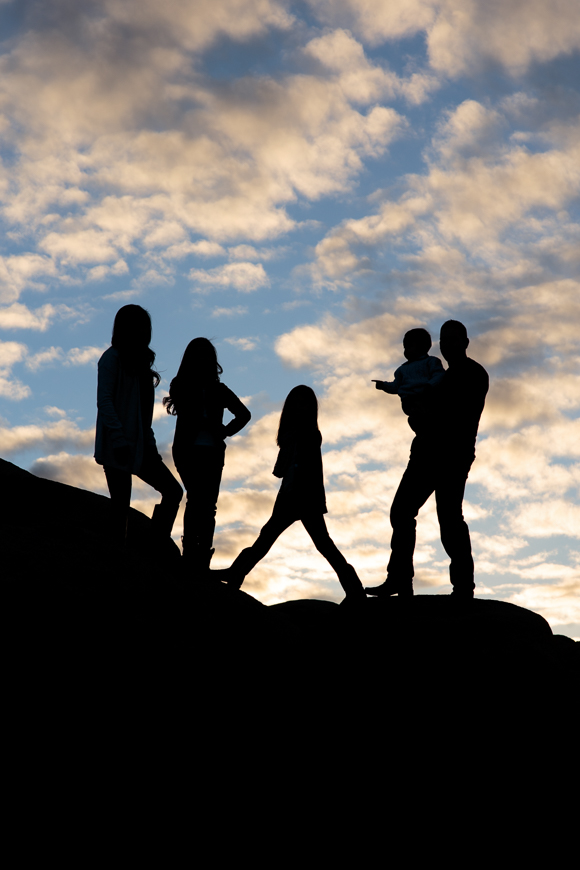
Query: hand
[{"x": 378, "y": 384}]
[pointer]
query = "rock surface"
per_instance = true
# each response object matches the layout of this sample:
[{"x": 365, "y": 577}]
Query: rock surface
[{"x": 91, "y": 624}]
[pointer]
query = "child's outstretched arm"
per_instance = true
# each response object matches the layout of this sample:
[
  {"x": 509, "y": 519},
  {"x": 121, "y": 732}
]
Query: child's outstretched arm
[{"x": 387, "y": 386}]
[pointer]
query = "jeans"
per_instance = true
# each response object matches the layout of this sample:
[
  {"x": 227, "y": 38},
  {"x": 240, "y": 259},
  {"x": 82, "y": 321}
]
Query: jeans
[
  {"x": 156, "y": 474},
  {"x": 446, "y": 476},
  {"x": 200, "y": 470},
  {"x": 282, "y": 518}
]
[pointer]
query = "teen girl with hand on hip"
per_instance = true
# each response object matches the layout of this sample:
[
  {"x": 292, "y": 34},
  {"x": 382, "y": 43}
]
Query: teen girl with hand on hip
[{"x": 198, "y": 399}]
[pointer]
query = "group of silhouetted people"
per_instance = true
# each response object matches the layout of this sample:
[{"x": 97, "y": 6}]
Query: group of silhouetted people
[{"x": 443, "y": 408}]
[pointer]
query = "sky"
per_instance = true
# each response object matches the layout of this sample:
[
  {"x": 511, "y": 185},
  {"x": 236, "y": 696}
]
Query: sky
[{"x": 303, "y": 182}]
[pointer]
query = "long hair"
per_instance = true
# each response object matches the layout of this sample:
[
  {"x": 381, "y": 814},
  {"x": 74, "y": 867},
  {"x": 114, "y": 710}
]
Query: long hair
[
  {"x": 299, "y": 415},
  {"x": 131, "y": 338},
  {"x": 199, "y": 369}
]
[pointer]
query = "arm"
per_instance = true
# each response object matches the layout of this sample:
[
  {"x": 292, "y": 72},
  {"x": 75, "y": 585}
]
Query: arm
[
  {"x": 391, "y": 387},
  {"x": 436, "y": 371},
  {"x": 108, "y": 369},
  {"x": 241, "y": 414}
]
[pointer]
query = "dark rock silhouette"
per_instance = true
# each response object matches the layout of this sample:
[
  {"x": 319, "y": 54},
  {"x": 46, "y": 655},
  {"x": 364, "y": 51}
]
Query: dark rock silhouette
[{"x": 125, "y": 633}]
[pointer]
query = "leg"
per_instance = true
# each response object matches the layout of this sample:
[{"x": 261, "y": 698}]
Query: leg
[
  {"x": 315, "y": 525},
  {"x": 119, "y": 483},
  {"x": 156, "y": 474},
  {"x": 416, "y": 486},
  {"x": 201, "y": 473},
  {"x": 455, "y": 538},
  {"x": 279, "y": 521}
]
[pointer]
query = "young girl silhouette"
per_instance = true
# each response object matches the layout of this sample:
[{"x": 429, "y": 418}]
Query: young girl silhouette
[
  {"x": 301, "y": 495},
  {"x": 125, "y": 443},
  {"x": 198, "y": 398}
]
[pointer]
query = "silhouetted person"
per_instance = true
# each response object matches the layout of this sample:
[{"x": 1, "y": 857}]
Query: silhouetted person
[
  {"x": 301, "y": 495},
  {"x": 441, "y": 456},
  {"x": 198, "y": 398},
  {"x": 414, "y": 379},
  {"x": 125, "y": 443}
]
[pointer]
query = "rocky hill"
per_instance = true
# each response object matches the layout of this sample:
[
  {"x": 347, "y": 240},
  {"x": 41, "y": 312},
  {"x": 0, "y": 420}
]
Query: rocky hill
[{"x": 91, "y": 624}]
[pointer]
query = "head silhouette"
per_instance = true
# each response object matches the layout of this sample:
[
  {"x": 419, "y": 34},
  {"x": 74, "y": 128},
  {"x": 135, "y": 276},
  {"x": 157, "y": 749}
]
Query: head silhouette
[
  {"x": 131, "y": 338},
  {"x": 199, "y": 368},
  {"x": 132, "y": 328},
  {"x": 453, "y": 341},
  {"x": 200, "y": 362},
  {"x": 299, "y": 414},
  {"x": 416, "y": 343}
]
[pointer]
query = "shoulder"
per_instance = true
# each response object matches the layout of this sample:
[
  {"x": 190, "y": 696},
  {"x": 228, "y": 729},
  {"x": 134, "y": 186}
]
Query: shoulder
[
  {"x": 109, "y": 359},
  {"x": 434, "y": 362},
  {"x": 477, "y": 371}
]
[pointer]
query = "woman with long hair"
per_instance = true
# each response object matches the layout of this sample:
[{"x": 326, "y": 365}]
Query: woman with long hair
[
  {"x": 125, "y": 443},
  {"x": 301, "y": 495},
  {"x": 198, "y": 398}
]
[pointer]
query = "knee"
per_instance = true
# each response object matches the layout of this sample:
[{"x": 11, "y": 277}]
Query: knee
[{"x": 402, "y": 518}]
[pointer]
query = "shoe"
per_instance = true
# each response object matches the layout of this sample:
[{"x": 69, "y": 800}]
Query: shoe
[
  {"x": 402, "y": 588},
  {"x": 464, "y": 593},
  {"x": 351, "y": 584}
]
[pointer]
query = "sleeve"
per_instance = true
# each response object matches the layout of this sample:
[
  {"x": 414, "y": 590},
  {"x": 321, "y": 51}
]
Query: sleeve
[
  {"x": 108, "y": 368},
  {"x": 394, "y": 386},
  {"x": 436, "y": 370},
  {"x": 241, "y": 414}
]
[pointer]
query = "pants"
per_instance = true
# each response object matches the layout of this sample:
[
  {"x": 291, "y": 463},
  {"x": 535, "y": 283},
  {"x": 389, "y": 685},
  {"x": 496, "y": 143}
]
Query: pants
[
  {"x": 281, "y": 519},
  {"x": 428, "y": 472},
  {"x": 201, "y": 472},
  {"x": 154, "y": 472}
]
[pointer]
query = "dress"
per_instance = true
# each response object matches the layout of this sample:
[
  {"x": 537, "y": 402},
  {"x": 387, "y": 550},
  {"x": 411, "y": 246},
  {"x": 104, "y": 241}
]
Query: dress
[
  {"x": 440, "y": 460},
  {"x": 198, "y": 453}
]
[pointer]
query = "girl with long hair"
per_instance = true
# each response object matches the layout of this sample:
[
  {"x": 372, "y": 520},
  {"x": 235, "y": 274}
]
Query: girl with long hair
[
  {"x": 125, "y": 443},
  {"x": 198, "y": 398},
  {"x": 301, "y": 495}
]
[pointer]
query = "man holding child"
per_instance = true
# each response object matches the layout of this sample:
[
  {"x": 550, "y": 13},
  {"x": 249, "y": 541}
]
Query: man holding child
[{"x": 444, "y": 411}]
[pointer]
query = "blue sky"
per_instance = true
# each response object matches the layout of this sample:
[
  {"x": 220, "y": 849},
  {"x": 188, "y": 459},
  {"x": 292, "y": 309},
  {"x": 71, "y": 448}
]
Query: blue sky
[{"x": 302, "y": 183}]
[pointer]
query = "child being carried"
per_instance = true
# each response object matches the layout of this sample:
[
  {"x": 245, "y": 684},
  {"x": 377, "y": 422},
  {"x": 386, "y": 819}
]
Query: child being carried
[{"x": 414, "y": 379}]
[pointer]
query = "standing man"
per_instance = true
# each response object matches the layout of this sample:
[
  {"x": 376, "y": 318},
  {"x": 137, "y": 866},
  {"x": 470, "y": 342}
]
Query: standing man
[{"x": 441, "y": 455}]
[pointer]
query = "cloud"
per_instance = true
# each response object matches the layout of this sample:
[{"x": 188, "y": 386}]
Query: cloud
[
  {"x": 243, "y": 343},
  {"x": 121, "y": 145},
  {"x": 22, "y": 271},
  {"x": 12, "y": 352},
  {"x": 19, "y": 316},
  {"x": 57, "y": 434},
  {"x": 245, "y": 277},
  {"x": 236, "y": 311},
  {"x": 76, "y": 356},
  {"x": 464, "y": 35}
]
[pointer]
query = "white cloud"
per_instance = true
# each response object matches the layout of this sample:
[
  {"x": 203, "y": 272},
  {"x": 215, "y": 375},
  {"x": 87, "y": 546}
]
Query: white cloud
[
  {"x": 243, "y": 343},
  {"x": 19, "y": 316},
  {"x": 236, "y": 311},
  {"x": 57, "y": 434},
  {"x": 108, "y": 162},
  {"x": 12, "y": 352},
  {"x": 245, "y": 277},
  {"x": 462, "y": 35}
]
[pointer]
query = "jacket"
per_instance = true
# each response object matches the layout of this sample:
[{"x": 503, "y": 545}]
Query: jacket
[
  {"x": 206, "y": 410},
  {"x": 121, "y": 420}
]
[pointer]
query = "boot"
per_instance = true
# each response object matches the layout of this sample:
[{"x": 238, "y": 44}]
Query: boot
[
  {"x": 351, "y": 584},
  {"x": 392, "y": 586},
  {"x": 197, "y": 559},
  {"x": 242, "y": 565}
]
